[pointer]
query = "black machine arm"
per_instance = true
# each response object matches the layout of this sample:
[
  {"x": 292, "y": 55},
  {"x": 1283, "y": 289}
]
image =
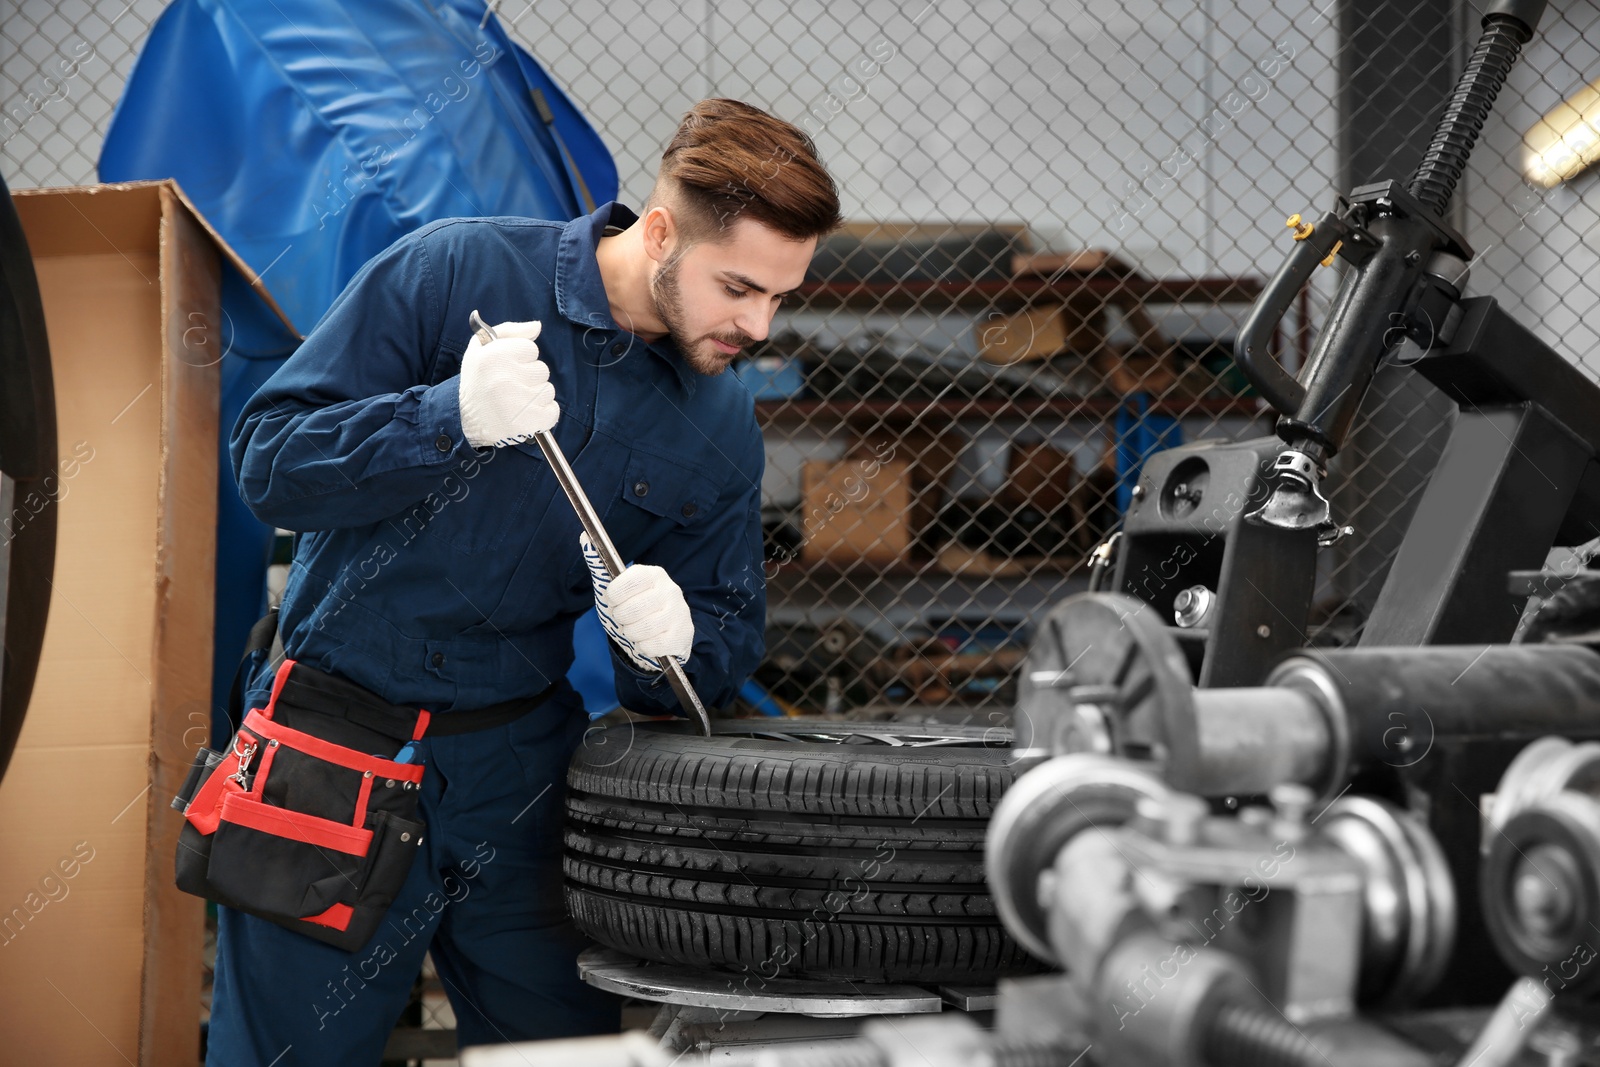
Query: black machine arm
[
  {"x": 1315, "y": 243},
  {"x": 1407, "y": 267}
]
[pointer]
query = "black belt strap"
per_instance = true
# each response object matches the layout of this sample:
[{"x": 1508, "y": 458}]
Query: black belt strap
[
  {"x": 332, "y": 695},
  {"x": 262, "y": 634}
]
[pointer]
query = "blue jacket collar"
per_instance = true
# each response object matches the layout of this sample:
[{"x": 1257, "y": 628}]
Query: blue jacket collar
[{"x": 581, "y": 293}]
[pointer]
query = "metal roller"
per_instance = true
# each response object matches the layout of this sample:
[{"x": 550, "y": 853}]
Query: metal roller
[
  {"x": 1035, "y": 819},
  {"x": 1409, "y": 900},
  {"x": 1539, "y": 879},
  {"x": 1105, "y": 675}
]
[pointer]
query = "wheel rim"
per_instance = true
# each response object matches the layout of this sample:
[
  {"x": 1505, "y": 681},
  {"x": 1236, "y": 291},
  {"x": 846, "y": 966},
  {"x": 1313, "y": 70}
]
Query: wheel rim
[{"x": 885, "y": 735}]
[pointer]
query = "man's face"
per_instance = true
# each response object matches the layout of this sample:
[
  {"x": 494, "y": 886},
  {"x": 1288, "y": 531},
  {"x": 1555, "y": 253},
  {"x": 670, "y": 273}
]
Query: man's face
[{"x": 717, "y": 298}]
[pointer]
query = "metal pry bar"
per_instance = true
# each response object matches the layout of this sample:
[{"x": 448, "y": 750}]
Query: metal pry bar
[{"x": 688, "y": 699}]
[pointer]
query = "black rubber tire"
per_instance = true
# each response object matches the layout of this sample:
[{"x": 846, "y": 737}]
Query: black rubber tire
[
  {"x": 792, "y": 849},
  {"x": 28, "y": 455}
]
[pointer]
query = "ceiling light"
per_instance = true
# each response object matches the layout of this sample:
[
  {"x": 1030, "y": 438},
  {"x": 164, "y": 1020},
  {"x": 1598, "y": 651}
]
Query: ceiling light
[{"x": 1566, "y": 142}]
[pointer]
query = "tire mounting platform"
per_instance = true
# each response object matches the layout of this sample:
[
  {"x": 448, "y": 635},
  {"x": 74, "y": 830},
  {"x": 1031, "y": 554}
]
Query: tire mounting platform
[{"x": 628, "y": 976}]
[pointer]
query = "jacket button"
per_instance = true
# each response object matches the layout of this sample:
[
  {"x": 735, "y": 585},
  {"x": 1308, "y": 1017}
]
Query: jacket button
[
  {"x": 689, "y": 510},
  {"x": 641, "y": 487},
  {"x": 437, "y": 659},
  {"x": 442, "y": 443},
  {"x": 618, "y": 348}
]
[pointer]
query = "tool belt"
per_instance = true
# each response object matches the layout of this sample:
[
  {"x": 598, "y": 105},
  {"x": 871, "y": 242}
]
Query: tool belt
[{"x": 309, "y": 818}]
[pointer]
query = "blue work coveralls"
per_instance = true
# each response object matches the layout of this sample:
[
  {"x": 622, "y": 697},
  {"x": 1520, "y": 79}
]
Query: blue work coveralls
[{"x": 448, "y": 578}]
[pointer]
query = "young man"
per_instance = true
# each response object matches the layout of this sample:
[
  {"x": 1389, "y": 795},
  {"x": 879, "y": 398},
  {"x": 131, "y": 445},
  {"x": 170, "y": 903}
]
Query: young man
[{"x": 438, "y": 565}]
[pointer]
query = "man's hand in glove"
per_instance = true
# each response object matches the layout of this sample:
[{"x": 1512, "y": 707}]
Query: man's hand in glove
[
  {"x": 642, "y": 610},
  {"x": 506, "y": 395}
]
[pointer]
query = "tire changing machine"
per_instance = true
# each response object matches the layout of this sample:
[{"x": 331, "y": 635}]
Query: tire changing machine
[{"x": 1519, "y": 476}]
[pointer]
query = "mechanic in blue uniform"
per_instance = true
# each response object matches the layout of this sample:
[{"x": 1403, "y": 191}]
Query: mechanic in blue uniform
[{"x": 438, "y": 565}]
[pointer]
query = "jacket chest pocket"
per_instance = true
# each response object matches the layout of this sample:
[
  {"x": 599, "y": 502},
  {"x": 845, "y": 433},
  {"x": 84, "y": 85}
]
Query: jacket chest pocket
[{"x": 657, "y": 496}]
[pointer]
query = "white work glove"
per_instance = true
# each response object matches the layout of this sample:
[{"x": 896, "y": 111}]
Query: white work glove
[
  {"x": 642, "y": 610},
  {"x": 506, "y": 395}
]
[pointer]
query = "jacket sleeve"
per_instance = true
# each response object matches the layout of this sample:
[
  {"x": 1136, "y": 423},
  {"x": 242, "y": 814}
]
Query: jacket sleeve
[
  {"x": 347, "y": 432},
  {"x": 719, "y": 569}
]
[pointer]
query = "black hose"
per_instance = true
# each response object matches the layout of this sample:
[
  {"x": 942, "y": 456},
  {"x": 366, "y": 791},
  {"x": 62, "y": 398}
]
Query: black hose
[
  {"x": 1446, "y": 159},
  {"x": 1241, "y": 1036}
]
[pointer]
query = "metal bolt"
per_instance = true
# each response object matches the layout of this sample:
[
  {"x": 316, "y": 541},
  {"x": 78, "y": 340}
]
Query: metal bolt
[
  {"x": 1190, "y": 606},
  {"x": 1138, "y": 492},
  {"x": 1177, "y": 817},
  {"x": 1185, "y": 815},
  {"x": 1291, "y": 803},
  {"x": 1263, "y": 631}
]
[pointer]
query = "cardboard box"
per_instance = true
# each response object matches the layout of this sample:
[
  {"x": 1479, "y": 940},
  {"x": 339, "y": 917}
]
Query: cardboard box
[
  {"x": 1040, "y": 475},
  {"x": 872, "y": 506},
  {"x": 1085, "y": 261},
  {"x": 1037, "y": 333},
  {"x": 1158, "y": 373},
  {"x": 1078, "y": 325},
  {"x": 100, "y": 955},
  {"x": 856, "y": 511},
  {"x": 931, "y": 457}
]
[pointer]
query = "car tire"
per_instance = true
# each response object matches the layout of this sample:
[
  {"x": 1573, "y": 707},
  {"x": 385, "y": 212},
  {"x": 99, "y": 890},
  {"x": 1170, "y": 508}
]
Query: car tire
[{"x": 792, "y": 848}]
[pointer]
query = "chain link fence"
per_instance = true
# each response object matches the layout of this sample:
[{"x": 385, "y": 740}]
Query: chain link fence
[{"x": 1059, "y": 214}]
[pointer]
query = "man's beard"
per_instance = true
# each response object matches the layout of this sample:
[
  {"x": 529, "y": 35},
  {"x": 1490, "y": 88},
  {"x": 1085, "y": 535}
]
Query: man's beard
[{"x": 668, "y": 299}]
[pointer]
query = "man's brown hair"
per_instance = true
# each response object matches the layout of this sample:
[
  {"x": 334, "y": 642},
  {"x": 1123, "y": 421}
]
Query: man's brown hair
[{"x": 729, "y": 161}]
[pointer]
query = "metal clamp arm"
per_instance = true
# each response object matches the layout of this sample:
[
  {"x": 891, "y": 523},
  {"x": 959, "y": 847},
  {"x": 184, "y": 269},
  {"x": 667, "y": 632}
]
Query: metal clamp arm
[{"x": 1313, "y": 244}]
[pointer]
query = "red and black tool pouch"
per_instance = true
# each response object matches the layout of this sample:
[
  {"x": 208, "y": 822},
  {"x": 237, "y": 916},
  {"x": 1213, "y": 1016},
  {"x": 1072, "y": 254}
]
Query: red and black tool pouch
[{"x": 306, "y": 820}]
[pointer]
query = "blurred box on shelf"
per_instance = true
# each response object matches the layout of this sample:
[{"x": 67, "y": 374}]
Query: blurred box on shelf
[
  {"x": 1160, "y": 373},
  {"x": 1136, "y": 370},
  {"x": 1037, "y": 333},
  {"x": 931, "y": 457},
  {"x": 1077, "y": 325},
  {"x": 932, "y": 672},
  {"x": 875, "y": 505},
  {"x": 856, "y": 511},
  {"x": 1081, "y": 262},
  {"x": 1042, "y": 476},
  {"x": 994, "y": 539},
  {"x": 1035, "y": 522}
]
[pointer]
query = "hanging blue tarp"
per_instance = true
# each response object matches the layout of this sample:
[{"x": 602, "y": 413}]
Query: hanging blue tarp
[{"x": 314, "y": 133}]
